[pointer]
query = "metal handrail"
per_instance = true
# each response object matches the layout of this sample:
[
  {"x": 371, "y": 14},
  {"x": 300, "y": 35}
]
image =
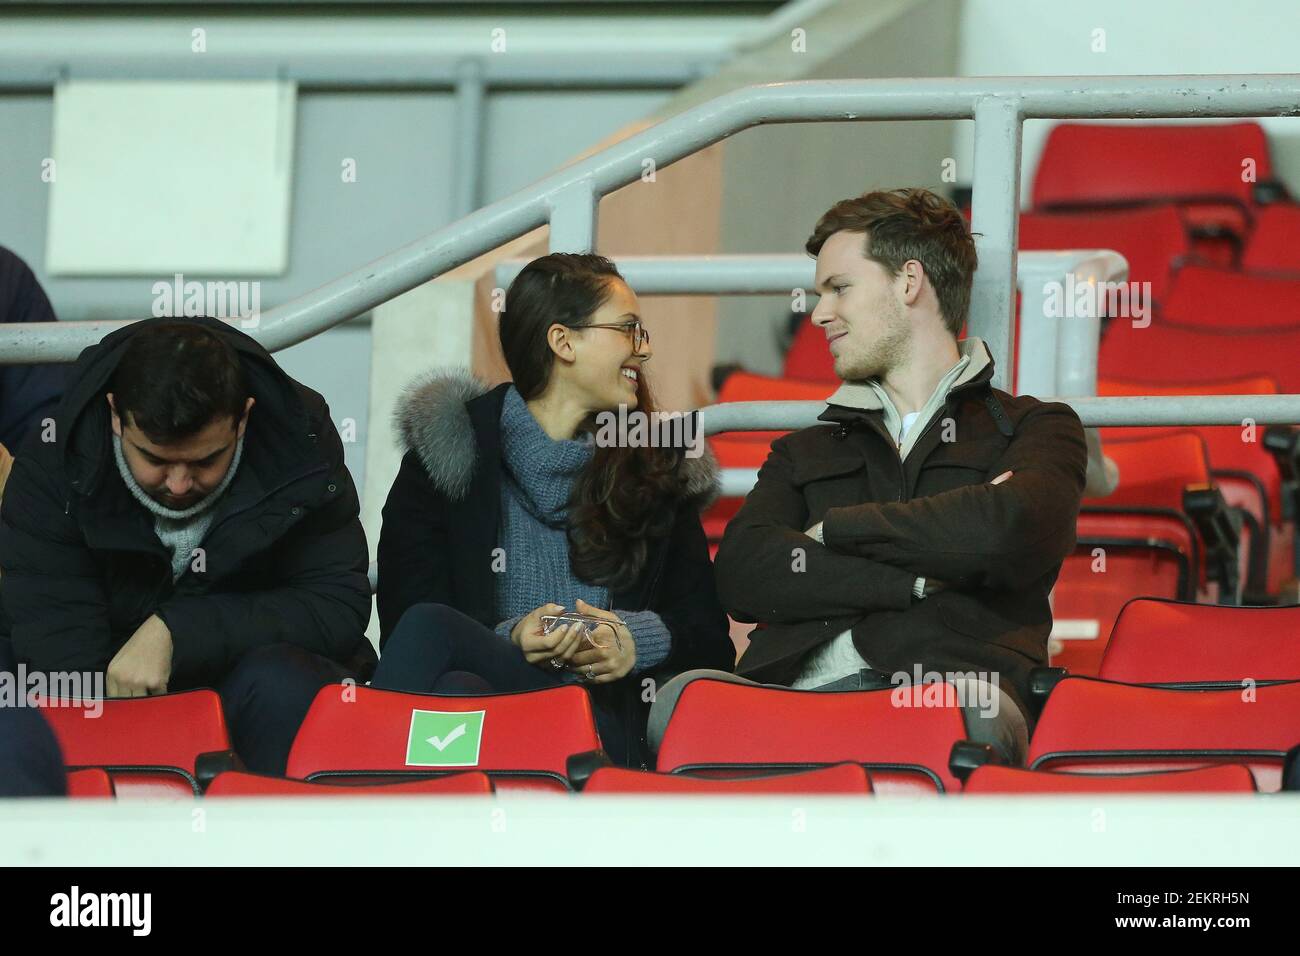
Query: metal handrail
[
  {"x": 1052, "y": 356},
  {"x": 567, "y": 199},
  {"x": 1092, "y": 411}
]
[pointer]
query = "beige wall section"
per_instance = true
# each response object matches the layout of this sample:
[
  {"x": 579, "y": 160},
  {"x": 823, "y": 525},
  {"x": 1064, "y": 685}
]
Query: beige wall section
[{"x": 777, "y": 180}]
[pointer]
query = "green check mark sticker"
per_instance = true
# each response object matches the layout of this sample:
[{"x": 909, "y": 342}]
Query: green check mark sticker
[{"x": 440, "y": 738}]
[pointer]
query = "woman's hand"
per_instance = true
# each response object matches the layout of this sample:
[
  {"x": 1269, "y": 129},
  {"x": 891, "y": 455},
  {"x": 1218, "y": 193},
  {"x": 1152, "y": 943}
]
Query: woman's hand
[
  {"x": 541, "y": 648},
  {"x": 602, "y": 665}
]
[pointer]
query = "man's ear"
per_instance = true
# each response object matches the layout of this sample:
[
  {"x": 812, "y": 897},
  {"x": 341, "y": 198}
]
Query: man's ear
[
  {"x": 243, "y": 421},
  {"x": 560, "y": 342},
  {"x": 112, "y": 414},
  {"x": 914, "y": 281}
]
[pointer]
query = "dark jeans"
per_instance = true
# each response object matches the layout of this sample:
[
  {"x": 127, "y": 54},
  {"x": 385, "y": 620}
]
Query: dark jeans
[
  {"x": 31, "y": 764},
  {"x": 266, "y": 696},
  {"x": 435, "y": 649}
]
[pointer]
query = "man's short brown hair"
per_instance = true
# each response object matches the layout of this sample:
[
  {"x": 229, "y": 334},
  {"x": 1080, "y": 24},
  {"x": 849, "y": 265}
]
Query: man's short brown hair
[{"x": 903, "y": 224}]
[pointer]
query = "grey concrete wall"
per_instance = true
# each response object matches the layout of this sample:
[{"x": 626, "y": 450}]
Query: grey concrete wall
[{"x": 403, "y": 147}]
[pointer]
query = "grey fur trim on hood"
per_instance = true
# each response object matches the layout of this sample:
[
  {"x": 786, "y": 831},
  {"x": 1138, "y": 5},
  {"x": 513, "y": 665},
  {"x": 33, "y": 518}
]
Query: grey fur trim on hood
[
  {"x": 703, "y": 482},
  {"x": 432, "y": 421}
]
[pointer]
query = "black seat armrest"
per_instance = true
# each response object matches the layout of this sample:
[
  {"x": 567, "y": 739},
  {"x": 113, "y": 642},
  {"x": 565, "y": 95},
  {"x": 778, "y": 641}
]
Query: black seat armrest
[
  {"x": 966, "y": 755},
  {"x": 208, "y": 765},
  {"x": 579, "y": 767},
  {"x": 1042, "y": 680},
  {"x": 1220, "y": 529}
]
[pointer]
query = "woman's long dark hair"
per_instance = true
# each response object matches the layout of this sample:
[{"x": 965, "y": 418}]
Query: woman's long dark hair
[{"x": 625, "y": 497}]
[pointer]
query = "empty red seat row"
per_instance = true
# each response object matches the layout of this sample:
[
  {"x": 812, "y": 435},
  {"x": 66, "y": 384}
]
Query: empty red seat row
[
  {"x": 1153, "y": 240},
  {"x": 1184, "y": 355},
  {"x": 1090, "y": 725},
  {"x": 1140, "y": 540},
  {"x": 1224, "y": 778},
  {"x": 236, "y": 784},
  {"x": 1234, "y": 698},
  {"x": 1244, "y": 471},
  {"x": 1175, "y": 642},
  {"x": 1114, "y": 163},
  {"x": 1209, "y": 170},
  {"x": 847, "y": 779},
  {"x": 1218, "y": 298},
  {"x": 1087, "y": 726}
]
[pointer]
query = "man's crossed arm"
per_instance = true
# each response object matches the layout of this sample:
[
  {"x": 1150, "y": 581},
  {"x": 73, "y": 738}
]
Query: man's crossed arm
[{"x": 1002, "y": 534}]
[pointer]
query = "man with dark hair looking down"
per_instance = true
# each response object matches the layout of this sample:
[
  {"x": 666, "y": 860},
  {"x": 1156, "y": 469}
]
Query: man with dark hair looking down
[{"x": 192, "y": 523}]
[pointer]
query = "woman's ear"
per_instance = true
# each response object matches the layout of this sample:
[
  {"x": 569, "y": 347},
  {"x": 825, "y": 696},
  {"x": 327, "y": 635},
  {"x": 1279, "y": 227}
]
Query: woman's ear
[{"x": 561, "y": 342}]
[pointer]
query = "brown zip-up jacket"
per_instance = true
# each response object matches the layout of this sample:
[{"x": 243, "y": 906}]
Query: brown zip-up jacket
[{"x": 886, "y": 521}]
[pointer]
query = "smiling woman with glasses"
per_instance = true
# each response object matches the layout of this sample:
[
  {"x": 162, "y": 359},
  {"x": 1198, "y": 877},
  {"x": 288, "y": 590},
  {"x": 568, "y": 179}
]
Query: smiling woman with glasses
[{"x": 508, "y": 515}]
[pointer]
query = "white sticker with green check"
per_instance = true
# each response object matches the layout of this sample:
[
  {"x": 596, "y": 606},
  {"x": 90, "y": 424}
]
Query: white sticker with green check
[{"x": 442, "y": 738}]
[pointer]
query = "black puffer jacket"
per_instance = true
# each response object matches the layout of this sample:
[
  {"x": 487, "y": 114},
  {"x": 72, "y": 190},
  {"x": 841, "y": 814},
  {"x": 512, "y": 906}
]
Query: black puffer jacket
[{"x": 81, "y": 567}]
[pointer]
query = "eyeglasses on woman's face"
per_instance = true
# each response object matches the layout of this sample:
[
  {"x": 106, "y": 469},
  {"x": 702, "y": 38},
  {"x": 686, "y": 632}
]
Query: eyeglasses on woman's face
[{"x": 639, "y": 334}]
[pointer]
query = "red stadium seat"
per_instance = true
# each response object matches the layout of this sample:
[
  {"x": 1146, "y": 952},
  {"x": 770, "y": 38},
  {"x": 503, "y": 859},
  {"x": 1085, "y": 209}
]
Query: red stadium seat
[
  {"x": 236, "y": 784},
  {"x": 1094, "y": 726},
  {"x": 1228, "y": 451},
  {"x": 1171, "y": 642},
  {"x": 521, "y": 740},
  {"x": 1153, "y": 240},
  {"x": 1207, "y": 297},
  {"x": 1198, "y": 166},
  {"x": 1153, "y": 472},
  {"x": 1187, "y": 359},
  {"x": 1148, "y": 545},
  {"x": 1228, "y": 778},
  {"x": 750, "y": 449},
  {"x": 725, "y": 729},
  {"x": 151, "y": 746},
  {"x": 1273, "y": 245},
  {"x": 1118, "y": 556},
  {"x": 809, "y": 358},
  {"x": 844, "y": 778},
  {"x": 91, "y": 782},
  {"x": 1176, "y": 354}
]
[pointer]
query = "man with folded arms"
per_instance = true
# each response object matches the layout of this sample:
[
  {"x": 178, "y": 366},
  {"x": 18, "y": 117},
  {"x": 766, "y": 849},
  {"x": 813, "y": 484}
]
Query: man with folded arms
[{"x": 922, "y": 526}]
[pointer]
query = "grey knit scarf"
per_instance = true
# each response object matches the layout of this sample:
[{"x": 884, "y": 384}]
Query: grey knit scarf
[
  {"x": 537, "y": 477},
  {"x": 180, "y": 531}
]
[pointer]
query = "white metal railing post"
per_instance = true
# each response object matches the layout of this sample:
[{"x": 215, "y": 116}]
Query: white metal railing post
[
  {"x": 1060, "y": 327},
  {"x": 573, "y": 218},
  {"x": 471, "y": 97},
  {"x": 995, "y": 216},
  {"x": 1080, "y": 338}
]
